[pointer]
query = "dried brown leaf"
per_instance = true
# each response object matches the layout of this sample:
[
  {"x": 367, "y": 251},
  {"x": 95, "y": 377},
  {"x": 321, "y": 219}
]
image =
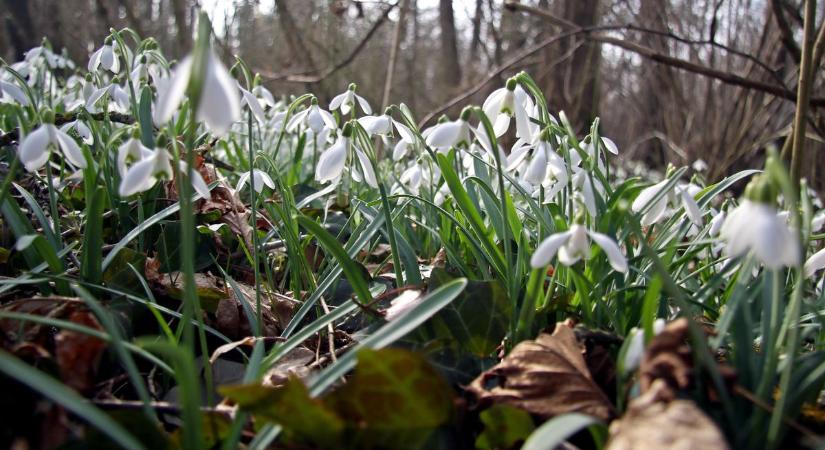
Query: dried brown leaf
[
  {"x": 78, "y": 355},
  {"x": 545, "y": 377},
  {"x": 655, "y": 421},
  {"x": 668, "y": 357}
]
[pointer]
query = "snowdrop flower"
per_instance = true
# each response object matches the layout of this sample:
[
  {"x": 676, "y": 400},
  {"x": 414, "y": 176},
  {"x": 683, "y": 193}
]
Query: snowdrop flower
[
  {"x": 346, "y": 101},
  {"x": 659, "y": 210},
  {"x": 332, "y": 161},
  {"x": 250, "y": 100},
  {"x": 636, "y": 346},
  {"x": 815, "y": 263},
  {"x": 146, "y": 172},
  {"x": 504, "y": 103},
  {"x": 754, "y": 227},
  {"x": 219, "y": 105},
  {"x": 10, "y": 91},
  {"x": 314, "y": 118},
  {"x": 699, "y": 165},
  {"x": 115, "y": 93},
  {"x": 34, "y": 147},
  {"x": 105, "y": 57},
  {"x": 82, "y": 130},
  {"x": 573, "y": 245},
  {"x": 265, "y": 96},
  {"x": 130, "y": 151},
  {"x": 450, "y": 134},
  {"x": 259, "y": 179}
]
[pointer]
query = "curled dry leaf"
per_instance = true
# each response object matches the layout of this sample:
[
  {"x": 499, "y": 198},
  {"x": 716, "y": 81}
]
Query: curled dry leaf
[
  {"x": 78, "y": 355},
  {"x": 668, "y": 357},
  {"x": 545, "y": 377},
  {"x": 655, "y": 421}
]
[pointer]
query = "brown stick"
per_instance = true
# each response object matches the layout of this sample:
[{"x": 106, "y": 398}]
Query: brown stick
[{"x": 806, "y": 73}]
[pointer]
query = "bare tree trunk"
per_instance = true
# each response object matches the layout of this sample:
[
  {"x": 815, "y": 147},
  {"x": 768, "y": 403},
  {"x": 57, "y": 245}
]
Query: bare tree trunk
[
  {"x": 451, "y": 74},
  {"x": 412, "y": 60},
  {"x": 396, "y": 42},
  {"x": 184, "y": 36},
  {"x": 475, "y": 43},
  {"x": 19, "y": 26}
]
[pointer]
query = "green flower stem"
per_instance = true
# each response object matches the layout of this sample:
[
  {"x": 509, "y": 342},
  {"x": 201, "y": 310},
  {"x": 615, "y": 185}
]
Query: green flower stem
[{"x": 254, "y": 210}]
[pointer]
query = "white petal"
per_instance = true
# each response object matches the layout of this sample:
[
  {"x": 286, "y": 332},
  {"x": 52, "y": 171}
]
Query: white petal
[
  {"x": 691, "y": 208},
  {"x": 537, "y": 169},
  {"x": 254, "y": 106},
  {"x": 220, "y": 105},
  {"x": 94, "y": 60},
  {"x": 199, "y": 184},
  {"x": 547, "y": 249},
  {"x": 243, "y": 179},
  {"x": 171, "y": 96},
  {"x": 138, "y": 178},
  {"x": 331, "y": 162},
  {"x": 646, "y": 195},
  {"x": 70, "y": 149},
  {"x": 366, "y": 167},
  {"x": 337, "y": 101},
  {"x": 445, "y": 134},
  {"x": 404, "y": 131},
  {"x": 34, "y": 150},
  {"x": 364, "y": 104},
  {"x": 611, "y": 249},
  {"x": 14, "y": 92},
  {"x": 814, "y": 263},
  {"x": 376, "y": 124},
  {"x": 610, "y": 146},
  {"x": 501, "y": 124},
  {"x": 400, "y": 150}
]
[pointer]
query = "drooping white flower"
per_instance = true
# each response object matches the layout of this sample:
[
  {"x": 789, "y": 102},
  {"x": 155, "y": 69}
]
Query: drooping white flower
[
  {"x": 219, "y": 106},
  {"x": 448, "y": 134},
  {"x": 142, "y": 175},
  {"x": 660, "y": 209},
  {"x": 314, "y": 118},
  {"x": 114, "y": 92},
  {"x": 756, "y": 228},
  {"x": 34, "y": 148},
  {"x": 259, "y": 180},
  {"x": 346, "y": 101},
  {"x": 105, "y": 57},
  {"x": 82, "y": 130},
  {"x": 250, "y": 100},
  {"x": 505, "y": 103},
  {"x": 332, "y": 161},
  {"x": 573, "y": 245},
  {"x": 130, "y": 151},
  {"x": 10, "y": 92}
]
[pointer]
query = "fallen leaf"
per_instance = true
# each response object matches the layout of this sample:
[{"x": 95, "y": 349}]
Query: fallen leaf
[
  {"x": 545, "y": 377},
  {"x": 655, "y": 421},
  {"x": 293, "y": 364},
  {"x": 668, "y": 357},
  {"x": 78, "y": 355}
]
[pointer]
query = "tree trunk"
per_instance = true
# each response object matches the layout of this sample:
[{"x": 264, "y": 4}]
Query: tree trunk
[
  {"x": 20, "y": 27},
  {"x": 184, "y": 36},
  {"x": 451, "y": 74}
]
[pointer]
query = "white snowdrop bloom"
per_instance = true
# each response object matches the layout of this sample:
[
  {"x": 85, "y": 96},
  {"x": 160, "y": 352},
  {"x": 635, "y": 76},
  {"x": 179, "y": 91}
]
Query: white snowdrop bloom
[
  {"x": 142, "y": 175},
  {"x": 412, "y": 177},
  {"x": 716, "y": 224},
  {"x": 367, "y": 173},
  {"x": 448, "y": 134},
  {"x": 636, "y": 347},
  {"x": 265, "y": 96},
  {"x": 250, "y": 100},
  {"x": 818, "y": 221},
  {"x": 346, "y": 102},
  {"x": 116, "y": 94},
  {"x": 131, "y": 151},
  {"x": 51, "y": 59},
  {"x": 583, "y": 184},
  {"x": 660, "y": 209},
  {"x": 815, "y": 263},
  {"x": 756, "y": 228},
  {"x": 376, "y": 124},
  {"x": 11, "y": 92},
  {"x": 313, "y": 118},
  {"x": 34, "y": 147},
  {"x": 105, "y": 57},
  {"x": 574, "y": 245},
  {"x": 332, "y": 161},
  {"x": 220, "y": 105},
  {"x": 699, "y": 165},
  {"x": 259, "y": 179},
  {"x": 508, "y": 102},
  {"x": 82, "y": 130}
]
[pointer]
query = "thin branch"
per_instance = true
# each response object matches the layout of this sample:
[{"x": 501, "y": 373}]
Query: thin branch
[
  {"x": 307, "y": 77},
  {"x": 785, "y": 31},
  {"x": 725, "y": 77}
]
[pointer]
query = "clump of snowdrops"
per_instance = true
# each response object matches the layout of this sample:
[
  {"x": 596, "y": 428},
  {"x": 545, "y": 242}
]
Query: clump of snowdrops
[{"x": 544, "y": 216}]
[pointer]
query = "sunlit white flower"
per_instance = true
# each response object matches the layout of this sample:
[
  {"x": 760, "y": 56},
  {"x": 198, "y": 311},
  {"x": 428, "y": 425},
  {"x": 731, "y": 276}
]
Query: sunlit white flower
[
  {"x": 34, "y": 148},
  {"x": 143, "y": 175},
  {"x": 346, "y": 101},
  {"x": 259, "y": 180},
  {"x": 573, "y": 245},
  {"x": 10, "y": 91},
  {"x": 250, "y": 100},
  {"x": 114, "y": 92},
  {"x": 332, "y": 161},
  {"x": 130, "y": 151},
  {"x": 314, "y": 118},
  {"x": 659, "y": 210},
  {"x": 636, "y": 346},
  {"x": 265, "y": 96},
  {"x": 105, "y": 57},
  {"x": 756, "y": 228},
  {"x": 82, "y": 130},
  {"x": 508, "y": 102},
  {"x": 219, "y": 106},
  {"x": 448, "y": 134},
  {"x": 699, "y": 165}
]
